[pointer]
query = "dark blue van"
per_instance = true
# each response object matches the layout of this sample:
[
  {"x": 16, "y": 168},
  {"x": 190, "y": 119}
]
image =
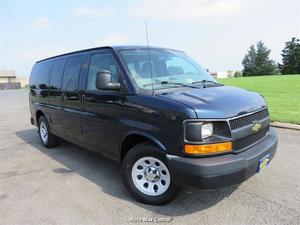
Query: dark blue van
[{"x": 156, "y": 111}]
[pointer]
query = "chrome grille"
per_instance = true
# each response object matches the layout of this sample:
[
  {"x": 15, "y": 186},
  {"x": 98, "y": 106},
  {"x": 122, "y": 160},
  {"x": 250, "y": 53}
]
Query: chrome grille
[{"x": 246, "y": 120}]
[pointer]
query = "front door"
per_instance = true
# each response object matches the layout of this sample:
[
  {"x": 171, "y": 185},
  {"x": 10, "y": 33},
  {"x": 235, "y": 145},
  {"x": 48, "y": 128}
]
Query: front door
[{"x": 102, "y": 108}]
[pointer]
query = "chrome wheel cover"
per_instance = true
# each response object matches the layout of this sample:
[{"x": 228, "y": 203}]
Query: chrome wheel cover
[
  {"x": 44, "y": 132},
  {"x": 150, "y": 176}
]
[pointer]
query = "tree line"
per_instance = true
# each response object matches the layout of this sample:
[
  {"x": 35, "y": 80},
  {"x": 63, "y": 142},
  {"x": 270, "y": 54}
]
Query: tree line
[{"x": 257, "y": 61}]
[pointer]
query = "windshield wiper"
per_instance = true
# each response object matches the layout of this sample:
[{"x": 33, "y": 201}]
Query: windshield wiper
[
  {"x": 206, "y": 81},
  {"x": 176, "y": 83},
  {"x": 165, "y": 82}
]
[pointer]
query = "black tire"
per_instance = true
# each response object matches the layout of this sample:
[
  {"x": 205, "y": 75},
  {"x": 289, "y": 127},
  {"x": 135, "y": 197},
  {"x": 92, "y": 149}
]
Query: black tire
[
  {"x": 52, "y": 140},
  {"x": 140, "y": 151}
]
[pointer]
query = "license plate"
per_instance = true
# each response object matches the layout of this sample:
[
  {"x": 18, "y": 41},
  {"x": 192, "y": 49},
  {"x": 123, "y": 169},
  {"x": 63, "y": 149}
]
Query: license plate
[{"x": 263, "y": 162}]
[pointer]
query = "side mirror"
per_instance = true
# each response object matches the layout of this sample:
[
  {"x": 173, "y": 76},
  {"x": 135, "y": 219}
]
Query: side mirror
[{"x": 103, "y": 81}]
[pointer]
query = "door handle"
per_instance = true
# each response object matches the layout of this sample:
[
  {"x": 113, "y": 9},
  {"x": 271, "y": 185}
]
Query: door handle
[{"x": 82, "y": 99}]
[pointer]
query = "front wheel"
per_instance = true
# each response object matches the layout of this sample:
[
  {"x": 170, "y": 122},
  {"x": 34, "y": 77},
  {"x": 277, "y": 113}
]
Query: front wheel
[{"x": 147, "y": 176}]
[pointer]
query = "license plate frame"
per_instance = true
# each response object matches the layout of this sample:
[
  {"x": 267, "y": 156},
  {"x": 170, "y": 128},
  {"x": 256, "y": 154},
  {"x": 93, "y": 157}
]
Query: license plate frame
[{"x": 263, "y": 162}]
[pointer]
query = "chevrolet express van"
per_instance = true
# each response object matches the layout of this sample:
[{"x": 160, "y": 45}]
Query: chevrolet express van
[{"x": 156, "y": 111}]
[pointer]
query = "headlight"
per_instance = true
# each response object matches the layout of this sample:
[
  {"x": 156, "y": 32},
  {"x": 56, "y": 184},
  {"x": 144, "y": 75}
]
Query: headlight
[
  {"x": 207, "y": 130},
  {"x": 197, "y": 131},
  {"x": 197, "y": 139}
]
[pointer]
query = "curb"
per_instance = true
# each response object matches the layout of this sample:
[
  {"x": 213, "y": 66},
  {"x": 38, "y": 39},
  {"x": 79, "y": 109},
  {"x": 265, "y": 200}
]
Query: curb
[{"x": 286, "y": 126}]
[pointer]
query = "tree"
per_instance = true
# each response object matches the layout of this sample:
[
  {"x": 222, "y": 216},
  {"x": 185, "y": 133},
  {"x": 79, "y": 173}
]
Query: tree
[
  {"x": 238, "y": 74},
  {"x": 256, "y": 62},
  {"x": 290, "y": 57},
  {"x": 249, "y": 62}
]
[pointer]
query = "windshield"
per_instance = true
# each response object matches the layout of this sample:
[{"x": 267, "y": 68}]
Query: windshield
[{"x": 167, "y": 67}]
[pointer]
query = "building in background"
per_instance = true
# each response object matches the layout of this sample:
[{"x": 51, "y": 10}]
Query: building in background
[
  {"x": 220, "y": 75},
  {"x": 8, "y": 80},
  {"x": 24, "y": 81},
  {"x": 7, "y": 76}
]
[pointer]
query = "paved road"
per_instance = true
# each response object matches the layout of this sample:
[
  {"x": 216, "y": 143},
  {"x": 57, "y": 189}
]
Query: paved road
[{"x": 70, "y": 185}]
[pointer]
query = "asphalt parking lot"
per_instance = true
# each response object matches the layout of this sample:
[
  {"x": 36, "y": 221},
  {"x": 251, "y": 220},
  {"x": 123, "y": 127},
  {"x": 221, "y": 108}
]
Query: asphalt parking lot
[{"x": 70, "y": 185}]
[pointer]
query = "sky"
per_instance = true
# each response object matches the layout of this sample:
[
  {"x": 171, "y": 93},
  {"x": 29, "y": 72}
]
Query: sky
[{"x": 217, "y": 33}]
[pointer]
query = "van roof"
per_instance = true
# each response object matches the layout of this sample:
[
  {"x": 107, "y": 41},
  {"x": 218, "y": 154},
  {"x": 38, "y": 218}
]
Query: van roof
[{"x": 115, "y": 47}]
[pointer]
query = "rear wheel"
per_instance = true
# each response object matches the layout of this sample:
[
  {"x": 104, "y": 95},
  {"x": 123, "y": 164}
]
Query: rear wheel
[
  {"x": 147, "y": 176},
  {"x": 48, "y": 140}
]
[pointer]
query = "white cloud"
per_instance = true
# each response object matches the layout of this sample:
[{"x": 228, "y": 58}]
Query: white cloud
[
  {"x": 94, "y": 12},
  {"x": 42, "y": 23},
  {"x": 186, "y": 9},
  {"x": 114, "y": 39}
]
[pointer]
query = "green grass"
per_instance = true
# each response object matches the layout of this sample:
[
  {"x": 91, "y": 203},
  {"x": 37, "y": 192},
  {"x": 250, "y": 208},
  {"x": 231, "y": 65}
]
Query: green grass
[{"x": 281, "y": 92}]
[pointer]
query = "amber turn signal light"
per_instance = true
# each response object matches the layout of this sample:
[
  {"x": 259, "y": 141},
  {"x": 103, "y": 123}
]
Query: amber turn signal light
[{"x": 208, "y": 148}]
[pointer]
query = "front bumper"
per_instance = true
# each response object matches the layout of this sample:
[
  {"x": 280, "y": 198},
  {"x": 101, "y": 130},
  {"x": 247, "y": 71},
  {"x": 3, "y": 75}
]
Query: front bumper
[{"x": 224, "y": 170}]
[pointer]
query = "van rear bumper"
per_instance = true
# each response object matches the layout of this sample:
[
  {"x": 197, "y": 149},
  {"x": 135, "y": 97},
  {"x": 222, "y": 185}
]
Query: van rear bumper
[{"x": 218, "y": 171}]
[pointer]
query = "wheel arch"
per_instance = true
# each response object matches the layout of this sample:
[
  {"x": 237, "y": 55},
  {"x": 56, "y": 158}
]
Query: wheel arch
[
  {"x": 38, "y": 114},
  {"x": 135, "y": 137}
]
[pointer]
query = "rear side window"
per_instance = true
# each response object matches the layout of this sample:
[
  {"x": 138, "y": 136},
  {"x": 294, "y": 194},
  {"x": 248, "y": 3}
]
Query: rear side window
[
  {"x": 39, "y": 78},
  {"x": 71, "y": 73},
  {"x": 56, "y": 74}
]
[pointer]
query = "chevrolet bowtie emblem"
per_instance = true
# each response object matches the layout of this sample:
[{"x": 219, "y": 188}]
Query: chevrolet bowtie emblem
[{"x": 256, "y": 126}]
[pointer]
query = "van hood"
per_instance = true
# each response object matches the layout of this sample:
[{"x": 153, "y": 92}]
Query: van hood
[{"x": 218, "y": 102}]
